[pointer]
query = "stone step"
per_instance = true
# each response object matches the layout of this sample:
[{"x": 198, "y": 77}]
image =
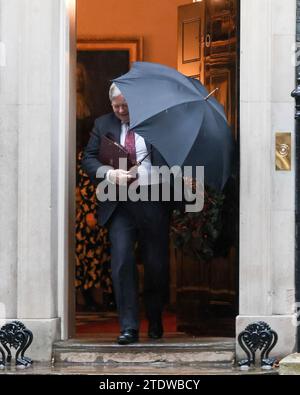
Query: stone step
[
  {"x": 179, "y": 351},
  {"x": 290, "y": 365},
  {"x": 159, "y": 369}
]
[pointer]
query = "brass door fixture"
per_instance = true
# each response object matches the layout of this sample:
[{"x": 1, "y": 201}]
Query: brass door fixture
[{"x": 283, "y": 151}]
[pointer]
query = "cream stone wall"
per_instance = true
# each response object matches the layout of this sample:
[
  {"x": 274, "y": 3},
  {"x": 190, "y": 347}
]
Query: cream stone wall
[{"x": 267, "y": 236}]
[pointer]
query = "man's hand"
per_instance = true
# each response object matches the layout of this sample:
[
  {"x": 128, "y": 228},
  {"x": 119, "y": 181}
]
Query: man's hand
[{"x": 119, "y": 176}]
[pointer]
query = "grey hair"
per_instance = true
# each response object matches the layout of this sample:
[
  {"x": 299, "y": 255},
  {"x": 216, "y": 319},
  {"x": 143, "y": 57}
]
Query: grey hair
[{"x": 114, "y": 91}]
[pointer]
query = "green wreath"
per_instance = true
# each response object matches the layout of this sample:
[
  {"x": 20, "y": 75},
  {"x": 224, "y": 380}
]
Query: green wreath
[{"x": 196, "y": 233}]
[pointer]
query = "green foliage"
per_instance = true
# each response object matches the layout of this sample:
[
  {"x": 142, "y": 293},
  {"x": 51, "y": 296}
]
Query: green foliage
[{"x": 196, "y": 233}]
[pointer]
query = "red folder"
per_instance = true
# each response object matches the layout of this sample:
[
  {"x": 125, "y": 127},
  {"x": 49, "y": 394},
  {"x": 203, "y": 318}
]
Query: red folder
[{"x": 111, "y": 152}]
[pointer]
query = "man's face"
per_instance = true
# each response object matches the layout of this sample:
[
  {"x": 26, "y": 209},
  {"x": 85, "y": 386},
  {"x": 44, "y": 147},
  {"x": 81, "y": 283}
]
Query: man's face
[{"x": 120, "y": 108}]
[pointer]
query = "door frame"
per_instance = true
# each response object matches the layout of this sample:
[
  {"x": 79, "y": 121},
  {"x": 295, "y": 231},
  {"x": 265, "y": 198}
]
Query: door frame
[
  {"x": 67, "y": 166},
  {"x": 67, "y": 169}
]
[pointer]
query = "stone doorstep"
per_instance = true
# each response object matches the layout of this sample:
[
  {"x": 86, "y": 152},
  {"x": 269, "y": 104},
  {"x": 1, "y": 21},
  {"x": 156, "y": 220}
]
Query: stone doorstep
[
  {"x": 145, "y": 357},
  {"x": 290, "y": 365},
  {"x": 181, "y": 352},
  {"x": 156, "y": 369}
]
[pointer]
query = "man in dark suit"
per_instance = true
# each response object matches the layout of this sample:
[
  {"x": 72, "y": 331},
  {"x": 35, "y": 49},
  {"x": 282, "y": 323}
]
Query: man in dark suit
[{"x": 129, "y": 222}]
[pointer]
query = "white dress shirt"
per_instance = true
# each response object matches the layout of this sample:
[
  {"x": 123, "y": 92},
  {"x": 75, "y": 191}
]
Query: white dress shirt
[{"x": 144, "y": 170}]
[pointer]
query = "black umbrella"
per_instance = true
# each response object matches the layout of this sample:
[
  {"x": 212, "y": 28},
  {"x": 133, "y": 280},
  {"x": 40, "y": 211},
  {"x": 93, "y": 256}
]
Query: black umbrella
[{"x": 179, "y": 118}]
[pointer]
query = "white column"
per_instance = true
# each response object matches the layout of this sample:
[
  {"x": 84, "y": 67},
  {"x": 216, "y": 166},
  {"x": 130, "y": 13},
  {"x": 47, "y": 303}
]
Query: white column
[
  {"x": 283, "y": 183},
  {"x": 266, "y": 196},
  {"x": 9, "y": 124},
  {"x": 35, "y": 166}
]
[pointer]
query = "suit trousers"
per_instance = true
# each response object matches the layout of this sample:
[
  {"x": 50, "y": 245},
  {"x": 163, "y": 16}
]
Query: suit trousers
[{"x": 145, "y": 223}]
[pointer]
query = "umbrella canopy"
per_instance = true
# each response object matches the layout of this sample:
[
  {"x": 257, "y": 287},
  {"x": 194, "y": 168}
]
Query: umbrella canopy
[{"x": 172, "y": 112}]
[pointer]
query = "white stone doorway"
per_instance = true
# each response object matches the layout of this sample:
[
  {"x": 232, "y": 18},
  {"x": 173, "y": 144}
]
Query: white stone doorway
[
  {"x": 265, "y": 293},
  {"x": 194, "y": 288}
]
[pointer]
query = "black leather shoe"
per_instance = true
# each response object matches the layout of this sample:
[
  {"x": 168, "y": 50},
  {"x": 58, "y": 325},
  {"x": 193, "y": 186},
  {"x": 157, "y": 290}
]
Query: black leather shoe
[
  {"x": 128, "y": 336},
  {"x": 155, "y": 330}
]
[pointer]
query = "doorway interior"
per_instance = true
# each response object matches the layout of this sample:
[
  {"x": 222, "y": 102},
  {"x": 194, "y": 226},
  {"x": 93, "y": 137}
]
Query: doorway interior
[{"x": 200, "y": 39}]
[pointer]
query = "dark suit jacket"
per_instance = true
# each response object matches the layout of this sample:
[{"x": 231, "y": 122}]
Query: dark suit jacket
[{"x": 108, "y": 124}]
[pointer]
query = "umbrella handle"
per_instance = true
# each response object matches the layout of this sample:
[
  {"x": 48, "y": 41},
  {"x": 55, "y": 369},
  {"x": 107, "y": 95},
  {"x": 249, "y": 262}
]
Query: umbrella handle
[
  {"x": 140, "y": 162},
  {"x": 211, "y": 93}
]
